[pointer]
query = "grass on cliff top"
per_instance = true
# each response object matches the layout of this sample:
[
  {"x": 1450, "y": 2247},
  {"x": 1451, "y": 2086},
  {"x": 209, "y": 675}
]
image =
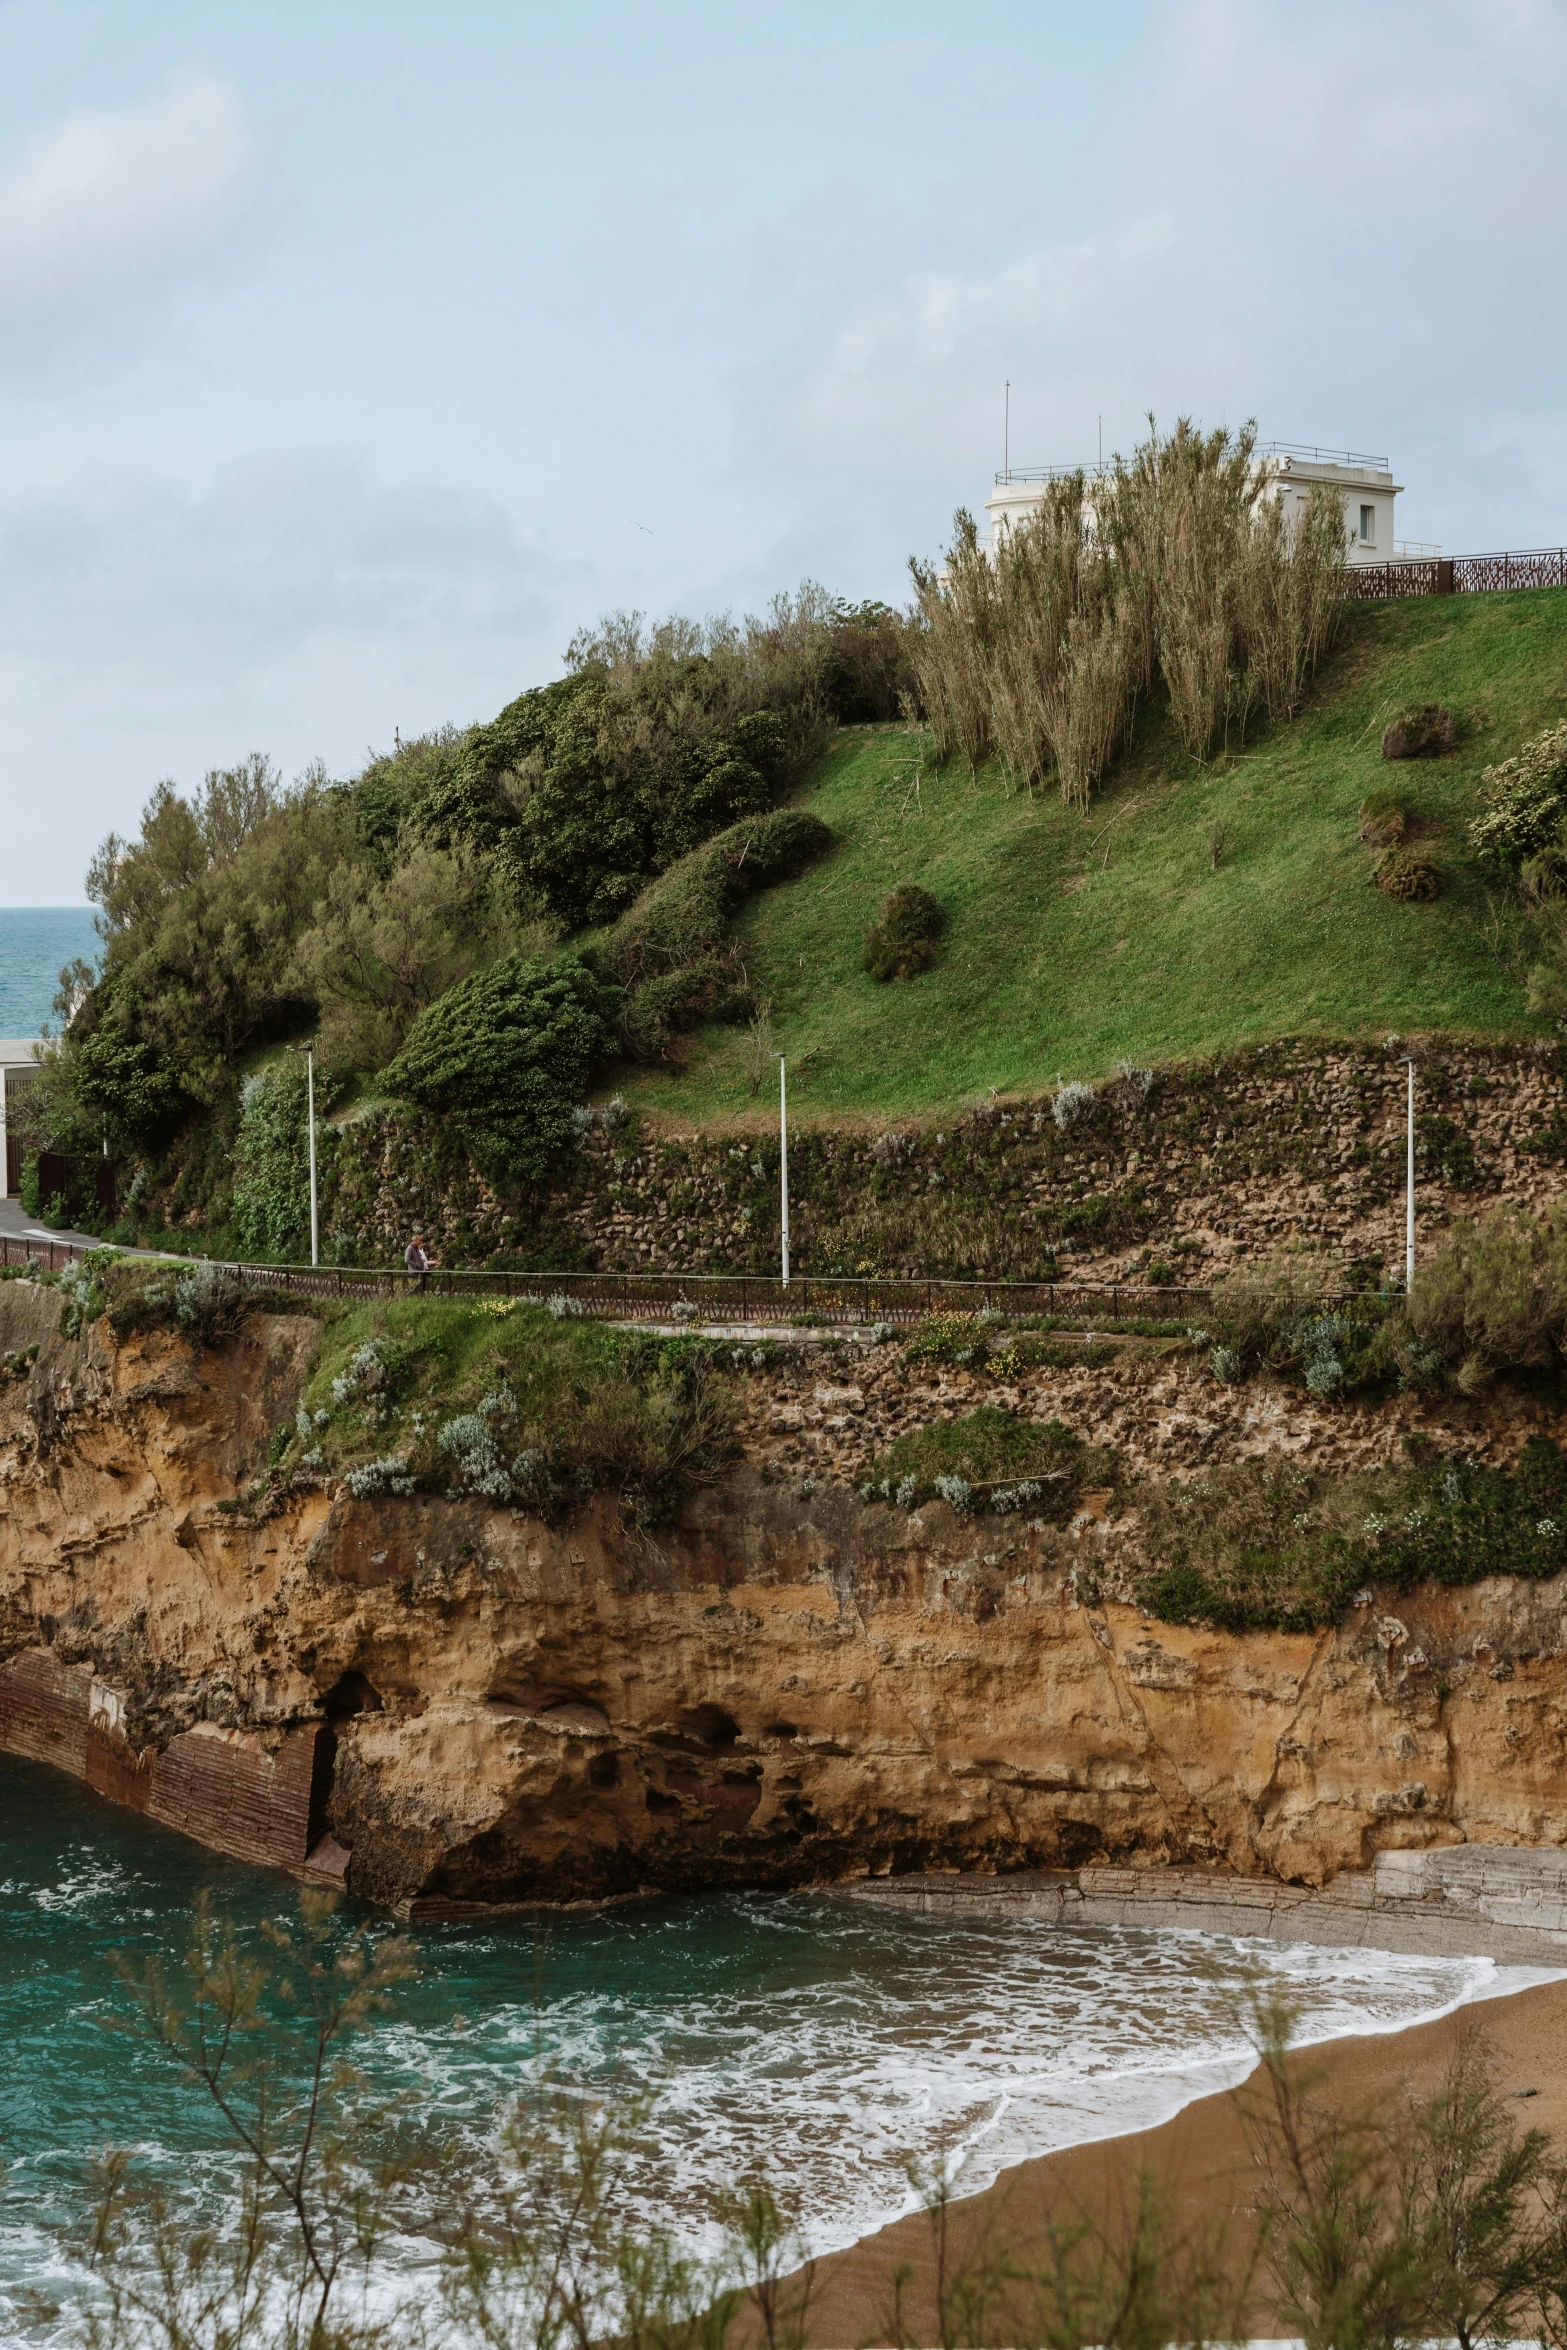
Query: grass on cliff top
[
  {"x": 1073, "y": 942},
  {"x": 500, "y": 1399}
]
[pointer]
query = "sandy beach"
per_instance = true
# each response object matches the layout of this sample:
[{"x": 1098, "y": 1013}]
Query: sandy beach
[{"x": 1202, "y": 2158}]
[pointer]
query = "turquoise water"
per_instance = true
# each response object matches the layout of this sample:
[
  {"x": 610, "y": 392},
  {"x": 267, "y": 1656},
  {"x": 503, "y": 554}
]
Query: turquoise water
[
  {"x": 36, "y": 942},
  {"x": 805, "y": 2035}
]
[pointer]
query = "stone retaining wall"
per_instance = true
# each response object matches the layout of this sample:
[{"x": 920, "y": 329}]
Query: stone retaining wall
[
  {"x": 1190, "y": 1168},
  {"x": 1506, "y": 1902}
]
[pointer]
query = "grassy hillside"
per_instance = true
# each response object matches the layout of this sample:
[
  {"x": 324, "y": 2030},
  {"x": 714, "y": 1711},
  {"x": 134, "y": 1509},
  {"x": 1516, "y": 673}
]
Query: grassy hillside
[{"x": 1075, "y": 941}]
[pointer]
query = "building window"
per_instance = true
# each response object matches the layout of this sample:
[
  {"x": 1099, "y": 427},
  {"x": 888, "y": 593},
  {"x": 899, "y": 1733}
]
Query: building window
[{"x": 1368, "y": 518}]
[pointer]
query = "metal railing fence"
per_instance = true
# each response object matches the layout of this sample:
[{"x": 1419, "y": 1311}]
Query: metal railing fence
[
  {"x": 856, "y": 1300},
  {"x": 1457, "y": 575}
]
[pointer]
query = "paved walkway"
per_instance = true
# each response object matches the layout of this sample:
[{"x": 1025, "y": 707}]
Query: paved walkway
[{"x": 17, "y": 1224}]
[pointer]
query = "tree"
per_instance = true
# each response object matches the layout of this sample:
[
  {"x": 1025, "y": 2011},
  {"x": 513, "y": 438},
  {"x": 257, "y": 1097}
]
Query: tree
[{"x": 509, "y": 1054}]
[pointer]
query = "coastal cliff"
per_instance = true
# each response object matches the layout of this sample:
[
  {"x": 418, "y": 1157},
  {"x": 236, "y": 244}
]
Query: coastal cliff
[{"x": 441, "y": 1701}]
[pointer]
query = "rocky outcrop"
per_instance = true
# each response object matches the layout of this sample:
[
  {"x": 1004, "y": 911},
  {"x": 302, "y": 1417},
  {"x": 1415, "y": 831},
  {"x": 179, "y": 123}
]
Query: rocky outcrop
[{"x": 781, "y": 1687}]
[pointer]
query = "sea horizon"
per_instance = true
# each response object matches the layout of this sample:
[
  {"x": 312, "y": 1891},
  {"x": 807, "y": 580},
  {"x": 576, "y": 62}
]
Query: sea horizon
[{"x": 36, "y": 942}]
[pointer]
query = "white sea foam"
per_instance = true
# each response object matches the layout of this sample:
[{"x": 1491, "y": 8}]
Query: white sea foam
[
  {"x": 862, "y": 2047},
  {"x": 810, "y": 2039}
]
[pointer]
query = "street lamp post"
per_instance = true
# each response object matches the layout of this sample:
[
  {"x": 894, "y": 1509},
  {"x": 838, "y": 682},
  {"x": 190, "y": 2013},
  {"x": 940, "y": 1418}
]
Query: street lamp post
[
  {"x": 1409, "y": 1192},
  {"x": 310, "y": 1111},
  {"x": 783, "y": 1162}
]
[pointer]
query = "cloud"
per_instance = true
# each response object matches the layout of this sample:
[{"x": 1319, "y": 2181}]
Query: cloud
[
  {"x": 104, "y": 206},
  {"x": 278, "y": 552}
]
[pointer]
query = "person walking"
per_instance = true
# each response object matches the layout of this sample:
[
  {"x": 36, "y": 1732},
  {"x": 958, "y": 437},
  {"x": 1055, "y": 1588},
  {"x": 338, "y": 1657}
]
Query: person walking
[{"x": 416, "y": 1260}]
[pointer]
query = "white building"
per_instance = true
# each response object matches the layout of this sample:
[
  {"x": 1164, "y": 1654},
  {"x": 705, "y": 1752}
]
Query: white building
[
  {"x": 1365, "y": 484},
  {"x": 18, "y": 1067}
]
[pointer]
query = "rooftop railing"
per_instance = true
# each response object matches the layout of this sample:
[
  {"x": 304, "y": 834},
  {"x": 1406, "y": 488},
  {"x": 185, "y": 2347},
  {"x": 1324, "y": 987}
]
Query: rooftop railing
[
  {"x": 1359, "y": 458},
  {"x": 1026, "y": 473}
]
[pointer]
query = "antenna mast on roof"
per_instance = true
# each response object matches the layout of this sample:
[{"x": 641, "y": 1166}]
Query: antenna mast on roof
[{"x": 1006, "y": 432}]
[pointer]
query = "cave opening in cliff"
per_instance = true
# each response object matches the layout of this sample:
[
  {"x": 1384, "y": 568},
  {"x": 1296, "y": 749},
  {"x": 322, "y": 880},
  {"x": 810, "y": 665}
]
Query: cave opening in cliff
[
  {"x": 351, "y": 1694},
  {"x": 710, "y": 1725}
]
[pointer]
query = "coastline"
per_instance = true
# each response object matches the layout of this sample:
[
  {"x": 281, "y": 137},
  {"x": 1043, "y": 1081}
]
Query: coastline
[{"x": 1201, "y": 2157}]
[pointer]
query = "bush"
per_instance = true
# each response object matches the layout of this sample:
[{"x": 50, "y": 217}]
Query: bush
[
  {"x": 1269, "y": 1315},
  {"x": 1070, "y": 1102},
  {"x": 992, "y": 1454},
  {"x": 126, "y": 1088},
  {"x": 1423, "y": 730},
  {"x": 523, "y": 1408},
  {"x": 906, "y": 939},
  {"x": 1384, "y": 819},
  {"x": 1493, "y": 1298},
  {"x": 1523, "y": 801},
  {"x": 508, "y": 1056},
  {"x": 1264, "y": 1544},
  {"x": 207, "y": 1300},
  {"x": 671, "y": 950},
  {"x": 1408, "y": 876},
  {"x": 639, "y": 773}
]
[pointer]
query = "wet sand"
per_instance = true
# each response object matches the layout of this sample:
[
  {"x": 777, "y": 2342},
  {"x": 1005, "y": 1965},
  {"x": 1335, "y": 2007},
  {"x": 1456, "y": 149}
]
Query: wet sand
[{"x": 1203, "y": 2160}]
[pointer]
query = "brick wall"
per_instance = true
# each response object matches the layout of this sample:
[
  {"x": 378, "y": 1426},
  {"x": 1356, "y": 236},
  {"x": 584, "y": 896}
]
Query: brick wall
[{"x": 244, "y": 1792}]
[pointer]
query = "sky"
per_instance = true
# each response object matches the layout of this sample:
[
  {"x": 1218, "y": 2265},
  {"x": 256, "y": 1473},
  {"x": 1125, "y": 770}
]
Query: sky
[{"x": 353, "y": 356}]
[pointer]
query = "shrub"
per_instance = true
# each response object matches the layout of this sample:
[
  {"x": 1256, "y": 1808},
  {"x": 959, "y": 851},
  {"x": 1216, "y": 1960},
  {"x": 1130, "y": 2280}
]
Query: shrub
[
  {"x": 1384, "y": 819},
  {"x": 906, "y": 939},
  {"x": 671, "y": 950},
  {"x": 1268, "y": 1314},
  {"x": 1523, "y": 801},
  {"x": 635, "y": 781},
  {"x": 207, "y": 1299},
  {"x": 1071, "y": 1102},
  {"x": 1408, "y": 876},
  {"x": 993, "y": 1450},
  {"x": 522, "y": 1409},
  {"x": 375, "y": 1477},
  {"x": 125, "y": 1087},
  {"x": 508, "y": 1055},
  {"x": 1264, "y": 1543},
  {"x": 81, "y": 1284},
  {"x": 893, "y": 1149},
  {"x": 1423, "y": 730},
  {"x": 1493, "y": 1297}
]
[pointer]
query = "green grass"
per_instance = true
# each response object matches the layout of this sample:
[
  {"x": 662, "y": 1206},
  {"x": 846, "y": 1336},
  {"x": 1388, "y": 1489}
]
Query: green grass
[
  {"x": 1073, "y": 942},
  {"x": 504, "y": 1401},
  {"x": 990, "y": 1447}
]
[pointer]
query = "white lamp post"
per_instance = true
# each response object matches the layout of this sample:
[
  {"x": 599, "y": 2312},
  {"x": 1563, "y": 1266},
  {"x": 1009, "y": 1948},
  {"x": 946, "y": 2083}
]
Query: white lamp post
[
  {"x": 783, "y": 1162},
  {"x": 1409, "y": 1192},
  {"x": 310, "y": 1101}
]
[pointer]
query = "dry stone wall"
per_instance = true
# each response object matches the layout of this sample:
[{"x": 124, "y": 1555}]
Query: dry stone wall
[{"x": 1187, "y": 1169}]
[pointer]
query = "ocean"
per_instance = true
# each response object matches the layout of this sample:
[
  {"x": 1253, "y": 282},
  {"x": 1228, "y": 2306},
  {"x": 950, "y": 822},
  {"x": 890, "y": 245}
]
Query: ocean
[
  {"x": 804, "y": 2036},
  {"x": 36, "y": 942}
]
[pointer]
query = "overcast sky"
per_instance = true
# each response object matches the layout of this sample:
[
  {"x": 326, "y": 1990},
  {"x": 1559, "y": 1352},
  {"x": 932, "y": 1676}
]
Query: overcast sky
[{"x": 352, "y": 355}]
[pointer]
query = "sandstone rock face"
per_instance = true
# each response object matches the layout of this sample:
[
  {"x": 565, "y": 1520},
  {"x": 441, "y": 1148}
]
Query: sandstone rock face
[{"x": 458, "y": 1703}]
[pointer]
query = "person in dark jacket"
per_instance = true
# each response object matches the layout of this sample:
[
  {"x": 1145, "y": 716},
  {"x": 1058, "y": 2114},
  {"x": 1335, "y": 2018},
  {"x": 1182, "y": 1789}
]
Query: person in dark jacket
[{"x": 416, "y": 1260}]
